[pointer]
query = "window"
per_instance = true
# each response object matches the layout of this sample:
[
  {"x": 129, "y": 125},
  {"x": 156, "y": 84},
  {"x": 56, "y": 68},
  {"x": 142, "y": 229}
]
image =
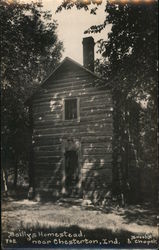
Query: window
[{"x": 71, "y": 109}]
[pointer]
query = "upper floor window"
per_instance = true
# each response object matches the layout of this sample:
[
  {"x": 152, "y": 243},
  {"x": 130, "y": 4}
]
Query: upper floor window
[{"x": 71, "y": 109}]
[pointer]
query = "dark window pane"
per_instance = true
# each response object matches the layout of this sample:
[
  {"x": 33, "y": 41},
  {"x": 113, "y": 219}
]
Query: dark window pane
[{"x": 70, "y": 109}]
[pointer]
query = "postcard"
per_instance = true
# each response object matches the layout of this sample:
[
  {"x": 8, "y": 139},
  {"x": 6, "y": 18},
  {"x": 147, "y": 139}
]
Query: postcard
[{"x": 79, "y": 124}]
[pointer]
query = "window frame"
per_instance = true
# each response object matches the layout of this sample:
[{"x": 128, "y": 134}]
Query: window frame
[{"x": 78, "y": 108}]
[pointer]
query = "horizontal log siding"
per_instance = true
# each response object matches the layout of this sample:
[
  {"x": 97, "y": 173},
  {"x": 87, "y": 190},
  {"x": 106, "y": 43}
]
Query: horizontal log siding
[{"x": 94, "y": 130}]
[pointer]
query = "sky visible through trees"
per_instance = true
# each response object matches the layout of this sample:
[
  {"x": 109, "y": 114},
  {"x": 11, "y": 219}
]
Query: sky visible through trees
[{"x": 72, "y": 24}]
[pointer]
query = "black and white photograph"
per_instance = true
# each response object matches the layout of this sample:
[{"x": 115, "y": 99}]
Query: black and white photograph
[{"x": 79, "y": 124}]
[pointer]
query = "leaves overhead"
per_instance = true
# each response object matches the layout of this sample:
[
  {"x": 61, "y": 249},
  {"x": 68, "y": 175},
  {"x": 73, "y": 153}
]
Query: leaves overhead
[{"x": 79, "y": 4}]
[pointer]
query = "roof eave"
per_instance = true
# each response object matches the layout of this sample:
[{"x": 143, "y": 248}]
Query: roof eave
[{"x": 28, "y": 101}]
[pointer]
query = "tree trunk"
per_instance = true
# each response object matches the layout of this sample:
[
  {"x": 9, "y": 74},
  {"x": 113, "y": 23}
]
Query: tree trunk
[
  {"x": 15, "y": 172},
  {"x": 5, "y": 182}
]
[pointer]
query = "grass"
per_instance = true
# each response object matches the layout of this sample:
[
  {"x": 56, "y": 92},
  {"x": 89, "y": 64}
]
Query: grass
[{"x": 94, "y": 222}]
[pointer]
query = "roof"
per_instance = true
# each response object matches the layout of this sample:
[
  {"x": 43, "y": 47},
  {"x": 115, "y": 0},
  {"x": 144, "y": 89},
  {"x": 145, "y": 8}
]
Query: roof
[{"x": 66, "y": 60}]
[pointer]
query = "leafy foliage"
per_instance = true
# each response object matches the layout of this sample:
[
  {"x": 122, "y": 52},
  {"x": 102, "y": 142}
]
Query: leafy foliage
[
  {"x": 68, "y": 4},
  {"x": 131, "y": 53},
  {"x": 30, "y": 49},
  {"x": 131, "y": 50}
]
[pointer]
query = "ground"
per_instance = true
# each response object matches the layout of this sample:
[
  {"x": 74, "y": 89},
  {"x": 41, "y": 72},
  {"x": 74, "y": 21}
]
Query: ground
[{"x": 136, "y": 224}]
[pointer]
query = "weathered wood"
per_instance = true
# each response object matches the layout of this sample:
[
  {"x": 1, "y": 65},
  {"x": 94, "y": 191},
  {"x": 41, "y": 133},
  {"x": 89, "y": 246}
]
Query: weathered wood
[
  {"x": 53, "y": 167},
  {"x": 66, "y": 79},
  {"x": 74, "y": 134},
  {"x": 96, "y": 151},
  {"x": 49, "y": 159},
  {"x": 75, "y": 93},
  {"x": 95, "y": 172},
  {"x": 39, "y": 109},
  {"x": 93, "y": 130},
  {"x": 107, "y": 165},
  {"x": 68, "y": 85},
  {"x": 52, "y": 174},
  {"x": 46, "y": 141},
  {"x": 56, "y": 106},
  {"x": 50, "y": 166},
  {"x": 91, "y": 100},
  {"x": 51, "y": 148},
  {"x": 98, "y": 159},
  {"x": 52, "y": 158},
  {"x": 88, "y": 106},
  {"x": 80, "y": 128},
  {"x": 100, "y": 145},
  {"x": 72, "y": 124},
  {"x": 96, "y": 112},
  {"x": 47, "y": 153},
  {"x": 49, "y": 124},
  {"x": 84, "y": 118}
]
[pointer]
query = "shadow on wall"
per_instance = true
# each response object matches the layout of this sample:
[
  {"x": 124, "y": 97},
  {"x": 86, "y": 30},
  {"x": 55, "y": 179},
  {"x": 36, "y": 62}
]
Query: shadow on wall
[{"x": 95, "y": 170}]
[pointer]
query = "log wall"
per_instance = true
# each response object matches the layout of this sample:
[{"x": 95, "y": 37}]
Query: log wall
[{"x": 92, "y": 131}]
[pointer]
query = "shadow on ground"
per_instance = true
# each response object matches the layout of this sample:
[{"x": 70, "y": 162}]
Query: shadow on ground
[
  {"x": 107, "y": 226},
  {"x": 145, "y": 214}
]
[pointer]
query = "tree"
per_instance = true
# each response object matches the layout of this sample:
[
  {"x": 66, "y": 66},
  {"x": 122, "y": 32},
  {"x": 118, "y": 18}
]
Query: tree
[
  {"x": 129, "y": 64},
  {"x": 131, "y": 50},
  {"x": 30, "y": 49}
]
